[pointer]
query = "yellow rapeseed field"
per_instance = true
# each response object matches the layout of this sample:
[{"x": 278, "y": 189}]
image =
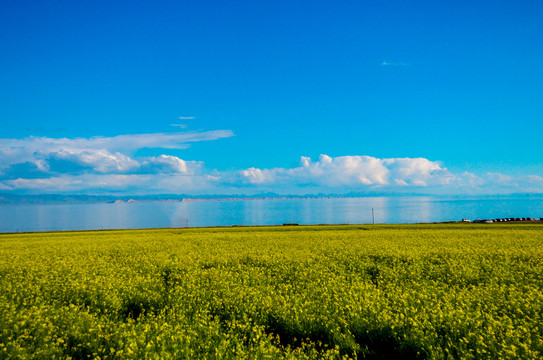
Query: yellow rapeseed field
[{"x": 440, "y": 291}]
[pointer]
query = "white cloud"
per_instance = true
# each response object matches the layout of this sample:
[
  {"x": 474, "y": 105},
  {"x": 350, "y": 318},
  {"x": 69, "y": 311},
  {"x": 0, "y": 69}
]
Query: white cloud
[
  {"x": 100, "y": 160},
  {"x": 391, "y": 63},
  {"x": 535, "y": 179},
  {"x": 523, "y": 183},
  {"x": 99, "y": 164},
  {"x": 417, "y": 171},
  {"x": 354, "y": 171},
  {"x": 106, "y": 155},
  {"x": 14, "y": 148},
  {"x": 98, "y": 183},
  {"x": 187, "y": 117},
  {"x": 256, "y": 176},
  {"x": 77, "y": 161},
  {"x": 168, "y": 164},
  {"x": 48, "y": 184}
]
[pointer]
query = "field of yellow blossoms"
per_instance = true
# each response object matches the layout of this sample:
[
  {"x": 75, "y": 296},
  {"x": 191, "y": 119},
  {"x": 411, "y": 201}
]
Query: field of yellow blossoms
[{"x": 438, "y": 291}]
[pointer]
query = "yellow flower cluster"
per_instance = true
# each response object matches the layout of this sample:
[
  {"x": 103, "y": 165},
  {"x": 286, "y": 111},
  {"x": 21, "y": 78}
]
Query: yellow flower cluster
[{"x": 443, "y": 291}]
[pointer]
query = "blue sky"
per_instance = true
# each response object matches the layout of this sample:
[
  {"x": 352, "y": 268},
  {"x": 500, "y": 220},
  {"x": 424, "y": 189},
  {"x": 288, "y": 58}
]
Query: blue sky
[{"x": 234, "y": 97}]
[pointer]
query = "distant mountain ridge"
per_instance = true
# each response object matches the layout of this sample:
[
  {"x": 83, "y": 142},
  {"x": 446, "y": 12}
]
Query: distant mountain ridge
[{"x": 9, "y": 198}]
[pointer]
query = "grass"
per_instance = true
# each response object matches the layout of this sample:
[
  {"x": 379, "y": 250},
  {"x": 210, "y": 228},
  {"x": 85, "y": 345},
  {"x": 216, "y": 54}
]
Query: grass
[{"x": 437, "y": 291}]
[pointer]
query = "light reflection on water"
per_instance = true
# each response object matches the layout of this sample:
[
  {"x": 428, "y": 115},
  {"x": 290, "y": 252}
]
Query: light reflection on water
[{"x": 263, "y": 212}]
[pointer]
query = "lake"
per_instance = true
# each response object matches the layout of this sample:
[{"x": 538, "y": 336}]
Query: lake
[{"x": 389, "y": 210}]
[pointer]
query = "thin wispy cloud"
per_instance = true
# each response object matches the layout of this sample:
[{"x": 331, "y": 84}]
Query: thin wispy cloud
[
  {"x": 394, "y": 63},
  {"x": 177, "y": 140},
  {"x": 181, "y": 126},
  {"x": 187, "y": 117}
]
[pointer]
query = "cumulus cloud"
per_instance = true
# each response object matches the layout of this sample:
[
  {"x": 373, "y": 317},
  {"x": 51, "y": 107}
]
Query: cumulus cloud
[
  {"x": 167, "y": 164},
  {"x": 101, "y": 164},
  {"x": 42, "y": 157},
  {"x": 99, "y": 160},
  {"x": 257, "y": 176},
  {"x": 104, "y": 162},
  {"x": 355, "y": 171},
  {"x": 367, "y": 173}
]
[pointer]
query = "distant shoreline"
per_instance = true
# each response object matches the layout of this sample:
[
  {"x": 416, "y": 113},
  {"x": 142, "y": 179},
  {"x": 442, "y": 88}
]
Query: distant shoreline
[
  {"x": 270, "y": 198},
  {"x": 366, "y": 226},
  {"x": 44, "y": 199},
  {"x": 234, "y": 199}
]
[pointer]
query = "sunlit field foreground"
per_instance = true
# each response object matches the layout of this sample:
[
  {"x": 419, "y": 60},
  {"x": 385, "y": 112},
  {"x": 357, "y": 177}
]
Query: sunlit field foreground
[{"x": 447, "y": 291}]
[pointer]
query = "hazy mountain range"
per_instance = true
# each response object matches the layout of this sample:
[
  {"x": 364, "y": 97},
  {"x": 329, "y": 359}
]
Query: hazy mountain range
[{"x": 9, "y": 198}]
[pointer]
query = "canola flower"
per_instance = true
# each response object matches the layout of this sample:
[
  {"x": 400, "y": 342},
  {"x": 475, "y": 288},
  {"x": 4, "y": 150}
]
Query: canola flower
[{"x": 446, "y": 291}]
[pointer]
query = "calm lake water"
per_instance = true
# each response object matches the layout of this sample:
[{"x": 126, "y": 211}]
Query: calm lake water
[{"x": 18, "y": 218}]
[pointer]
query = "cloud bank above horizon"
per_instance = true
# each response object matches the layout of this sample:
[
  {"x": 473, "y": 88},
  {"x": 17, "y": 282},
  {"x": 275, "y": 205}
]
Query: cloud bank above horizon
[{"x": 110, "y": 165}]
